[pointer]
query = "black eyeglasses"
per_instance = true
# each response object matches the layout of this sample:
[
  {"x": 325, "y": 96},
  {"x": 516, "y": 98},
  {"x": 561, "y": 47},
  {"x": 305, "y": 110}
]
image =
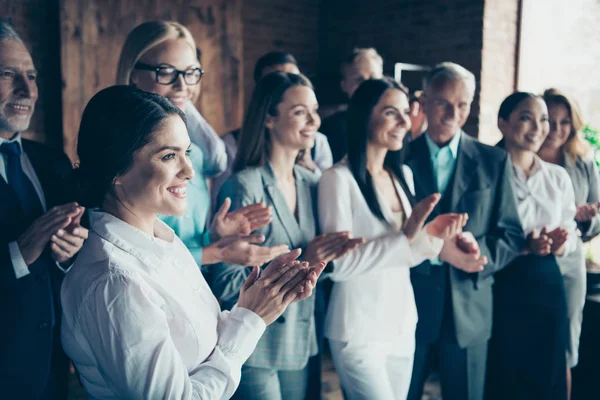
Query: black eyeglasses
[{"x": 167, "y": 74}]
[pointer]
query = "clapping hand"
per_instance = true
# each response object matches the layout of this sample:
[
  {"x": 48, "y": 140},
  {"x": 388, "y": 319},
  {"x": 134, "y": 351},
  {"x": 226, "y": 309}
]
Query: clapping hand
[
  {"x": 446, "y": 226},
  {"x": 282, "y": 282},
  {"x": 586, "y": 212},
  {"x": 240, "y": 222},
  {"x": 66, "y": 243},
  {"x": 242, "y": 250},
  {"x": 35, "y": 239},
  {"x": 419, "y": 215},
  {"x": 540, "y": 243},
  {"x": 462, "y": 252},
  {"x": 329, "y": 246},
  {"x": 559, "y": 238}
]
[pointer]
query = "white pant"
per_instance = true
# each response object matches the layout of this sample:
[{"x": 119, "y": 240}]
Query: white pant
[{"x": 375, "y": 370}]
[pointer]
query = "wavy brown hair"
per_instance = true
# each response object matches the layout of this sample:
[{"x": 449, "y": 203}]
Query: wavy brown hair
[{"x": 575, "y": 146}]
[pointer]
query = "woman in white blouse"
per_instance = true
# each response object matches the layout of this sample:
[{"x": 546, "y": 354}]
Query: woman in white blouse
[
  {"x": 139, "y": 320},
  {"x": 529, "y": 341},
  {"x": 372, "y": 315}
]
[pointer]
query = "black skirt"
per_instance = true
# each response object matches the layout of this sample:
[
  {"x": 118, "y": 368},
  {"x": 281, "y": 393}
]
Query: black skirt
[{"x": 526, "y": 357}]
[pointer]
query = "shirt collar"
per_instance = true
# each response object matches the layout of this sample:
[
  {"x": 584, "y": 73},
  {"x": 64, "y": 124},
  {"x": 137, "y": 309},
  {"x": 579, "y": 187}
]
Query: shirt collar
[
  {"x": 434, "y": 149},
  {"x": 141, "y": 245},
  {"x": 17, "y": 139}
]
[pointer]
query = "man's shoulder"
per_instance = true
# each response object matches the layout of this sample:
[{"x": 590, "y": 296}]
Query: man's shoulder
[
  {"x": 37, "y": 151},
  {"x": 487, "y": 152}
]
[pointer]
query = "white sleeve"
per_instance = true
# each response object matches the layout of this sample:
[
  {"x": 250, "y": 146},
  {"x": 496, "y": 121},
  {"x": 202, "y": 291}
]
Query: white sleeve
[
  {"x": 125, "y": 325},
  {"x": 204, "y": 136},
  {"x": 568, "y": 210},
  {"x": 323, "y": 156},
  {"x": 391, "y": 249}
]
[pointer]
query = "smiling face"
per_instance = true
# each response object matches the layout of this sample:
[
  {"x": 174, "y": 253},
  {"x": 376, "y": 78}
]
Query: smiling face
[
  {"x": 18, "y": 88},
  {"x": 447, "y": 106},
  {"x": 157, "y": 181},
  {"x": 297, "y": 121},
  {"x": 561, "y": 126},
  {"x": 390, "y": 120},
  {"x": 527, "y": 126},
  {"x": 174, "y": 52}
]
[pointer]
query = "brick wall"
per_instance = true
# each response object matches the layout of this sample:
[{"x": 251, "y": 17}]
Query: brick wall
[
  {"x": 412, "y": 31},
  {"x": 283, "y": 25}
]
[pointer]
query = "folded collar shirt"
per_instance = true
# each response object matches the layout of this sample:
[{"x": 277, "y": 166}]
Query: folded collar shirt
[{"x": 139, "y": 320}]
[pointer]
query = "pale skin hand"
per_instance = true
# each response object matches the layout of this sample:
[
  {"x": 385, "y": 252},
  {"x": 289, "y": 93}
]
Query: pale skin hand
[
  {"x": 67, "y": 242},
  {"x": 35, "y": 239},
  {"x": 462, "y": 252},
  {"x": 540, "y": 243},
  {"x": 307, "y": 162},
  {"x": 419, "y": 215},
  {"x": 282, "y": 282},
  {"x": 329, "y": 246},
  {"x": 240, "y": 222},
  {"x": 239, "y": 249},
  {"x": 446, "y": 226},
  {"x": 586, "y": 212},
  {"x": 559, "y": 238}
]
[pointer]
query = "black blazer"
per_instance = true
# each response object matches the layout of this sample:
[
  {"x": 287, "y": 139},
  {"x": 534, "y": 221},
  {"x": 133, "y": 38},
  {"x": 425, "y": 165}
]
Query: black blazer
[
  {"x": 30, "y": 355},
  {"x": 481, "y": 187}
]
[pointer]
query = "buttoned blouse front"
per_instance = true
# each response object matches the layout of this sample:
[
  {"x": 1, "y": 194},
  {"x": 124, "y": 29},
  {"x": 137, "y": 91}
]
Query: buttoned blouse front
[{"x": 139, "y": 320}]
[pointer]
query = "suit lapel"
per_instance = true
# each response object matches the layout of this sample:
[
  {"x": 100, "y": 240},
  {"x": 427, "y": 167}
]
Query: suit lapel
[
  {"x": 419, "y": 160},
  {"x": 306, "y": 217},
  {"x": 281, "y": 209},
  {"x": 466, "y": 167}
]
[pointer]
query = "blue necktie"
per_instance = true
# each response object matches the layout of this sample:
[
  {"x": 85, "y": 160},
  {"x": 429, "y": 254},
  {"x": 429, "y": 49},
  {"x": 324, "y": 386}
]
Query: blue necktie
[{"x": 21, "y": 184}]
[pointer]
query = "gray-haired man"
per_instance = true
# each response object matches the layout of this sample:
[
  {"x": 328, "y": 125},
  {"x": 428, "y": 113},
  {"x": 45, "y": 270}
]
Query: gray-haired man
[{"x": 454, "y": 299}]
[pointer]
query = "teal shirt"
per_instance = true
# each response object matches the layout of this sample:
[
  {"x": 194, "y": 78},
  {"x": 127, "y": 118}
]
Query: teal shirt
[
  {"x": 443, "y": 161},
  {"x": 191, "y": 227}
]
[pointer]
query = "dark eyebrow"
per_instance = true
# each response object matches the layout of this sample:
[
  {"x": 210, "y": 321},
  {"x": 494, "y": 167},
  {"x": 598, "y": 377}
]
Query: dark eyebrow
[
  {"x": 392, "y": 107},
  {"x": 17, "y": 69},
  {"x": 174, "y": 148},
  {"x": 298, "y": 105}
]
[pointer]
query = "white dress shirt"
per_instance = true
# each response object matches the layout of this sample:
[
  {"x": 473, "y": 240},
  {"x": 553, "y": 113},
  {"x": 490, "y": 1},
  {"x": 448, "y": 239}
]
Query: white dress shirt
[
  {"x": 547, "y": 199},
  {"x": 140, "y": 322},
  {"x": 372, "y": 299},
  {"x": 20, "y": 267}
]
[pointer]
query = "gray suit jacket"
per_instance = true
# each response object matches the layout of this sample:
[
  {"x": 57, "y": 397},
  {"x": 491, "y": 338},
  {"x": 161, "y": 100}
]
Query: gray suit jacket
[
  {"x": 481, "y": 186},
  {"x": 586, "y": 183},
  {"x": 291, "y": 340}
]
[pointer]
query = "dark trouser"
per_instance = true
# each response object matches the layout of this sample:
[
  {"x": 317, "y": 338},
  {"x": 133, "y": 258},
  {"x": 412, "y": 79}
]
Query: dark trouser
[
  {"x": 530, "y": 334},
  {"x": 462, "y": 371},
  {"x": 586, "y": 383}
]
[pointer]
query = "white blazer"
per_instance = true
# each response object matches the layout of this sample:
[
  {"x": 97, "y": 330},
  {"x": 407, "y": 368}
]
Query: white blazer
[{"x": 372, "y": 298}]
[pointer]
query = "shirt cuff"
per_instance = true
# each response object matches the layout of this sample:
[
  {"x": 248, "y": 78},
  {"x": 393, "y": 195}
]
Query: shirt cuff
[
  {"x": 241, "y": 331},
  {"x": 63, "y": 269},
  {"x": 18, "y": 262}
]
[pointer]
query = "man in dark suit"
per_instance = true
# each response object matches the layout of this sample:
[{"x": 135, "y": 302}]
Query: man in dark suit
[
  {"x": 454, "y": 298},
  {"x": 38, "y": 239}
]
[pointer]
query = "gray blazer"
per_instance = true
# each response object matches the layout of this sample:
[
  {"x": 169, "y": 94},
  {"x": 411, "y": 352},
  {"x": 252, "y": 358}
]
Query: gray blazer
[
  {"x": 288, "y": 343},
  {"x": 481, "y": 186},
  {"x": 586, "y": 183}
]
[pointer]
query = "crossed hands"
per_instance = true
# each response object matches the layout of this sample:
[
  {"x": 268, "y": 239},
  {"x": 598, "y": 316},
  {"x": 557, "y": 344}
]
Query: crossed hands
[
  {"x": 586, "y": 212},
  {"x": 60, "y": 228},
  {"x": 284, "y": 281},
  {"x": 544, "y": 242}
]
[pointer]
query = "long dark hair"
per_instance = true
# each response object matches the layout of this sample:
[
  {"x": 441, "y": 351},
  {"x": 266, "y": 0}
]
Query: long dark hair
[
  {"x": 255, "y": 140},
  {"x": 116, "y": 123},
  {"x": 361, "y": 107}
]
